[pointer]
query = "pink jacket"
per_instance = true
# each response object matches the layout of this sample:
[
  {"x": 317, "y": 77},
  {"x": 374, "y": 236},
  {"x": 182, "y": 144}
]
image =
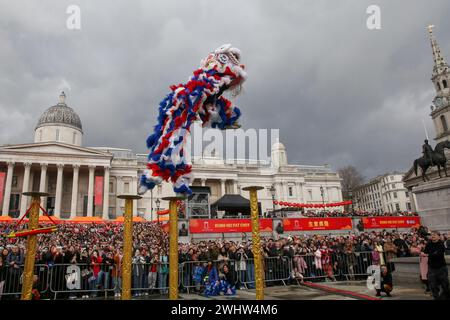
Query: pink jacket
[{"x": 423, "y": 262}]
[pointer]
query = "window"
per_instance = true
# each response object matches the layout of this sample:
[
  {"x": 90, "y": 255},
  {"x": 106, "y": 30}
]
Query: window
[
  {"x": 40, "y": 135},
  {"x": 74, "y": 137},
  {"x": 57, "y": 135},
  {"x": 444, "y": 84},
  {"x": 397, "y": 207},
  {"x": 291, "y": 194},
  {"x": 310, "y": 194},
  {"x": 111, "y": 187},
  {"x": 392, "y": 178},
  {"x": 408, "y": 206},
  {"x": 126, "y": 187},
  {"x": 395, "y": 195},
  {"x": 444, "y": 123},
  {"x": 407, "y": 194}
]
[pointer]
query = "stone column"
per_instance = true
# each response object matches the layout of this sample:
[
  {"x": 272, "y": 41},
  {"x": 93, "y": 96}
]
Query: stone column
[
  {"x": 299, "y": 191},
  {"x": 43, "y": 184},
  {"x": 7, "y": 197},
  {"x": 59, "y": 187},
  {"x": 203, "y": 182},
  {"x": 118, "y": 192},
  {"x": 235, "y": 187},
  {"x": 222, "y": 187},
  {"x": 134, "y": 189},
  {"x": 25, "y": 188},
  {"x": 74, "y": 202},
  {"x": 106, "y": 193},
  {"x": 90, "y": 205}
]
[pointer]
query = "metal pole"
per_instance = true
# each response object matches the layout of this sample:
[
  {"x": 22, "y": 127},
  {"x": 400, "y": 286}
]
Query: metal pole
[
  {"x": 259, "y": 281},
  {"x": 127, "y": 244},
  {"x": 30, "y": 257},
  {"x": 151, "y": 205},
  {"x": 173, "y": 246}
]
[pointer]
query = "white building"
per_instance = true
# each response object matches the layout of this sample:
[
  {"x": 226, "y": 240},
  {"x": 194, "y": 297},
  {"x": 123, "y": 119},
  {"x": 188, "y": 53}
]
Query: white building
[
  {"x": 386, "y": 193},
  {"x": 58, "y": 164}
]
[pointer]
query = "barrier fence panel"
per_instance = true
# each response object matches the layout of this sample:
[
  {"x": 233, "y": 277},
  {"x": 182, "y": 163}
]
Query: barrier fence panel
[
  {"x": 148, "y": 278},
  {"x": 11, "y": 281},
  {"x": 82, "y": 280},
  {"x": 66, "y": 281}
]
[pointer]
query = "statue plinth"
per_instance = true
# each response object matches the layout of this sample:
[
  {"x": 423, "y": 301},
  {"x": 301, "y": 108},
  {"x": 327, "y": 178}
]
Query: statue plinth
[{"x": 433, "y": 203}]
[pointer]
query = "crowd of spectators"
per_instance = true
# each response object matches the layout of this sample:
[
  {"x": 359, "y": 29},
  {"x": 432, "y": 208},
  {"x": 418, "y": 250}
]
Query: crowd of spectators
[{"x": 97, "y": 250}]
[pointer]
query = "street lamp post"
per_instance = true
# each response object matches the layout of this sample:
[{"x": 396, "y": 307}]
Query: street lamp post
[
  {"x": 272, "y": 192},
  {"x": 350, "y": 195},
  {"x": 157, "y": 208},
  {"x": 323, "y": 198},
  {"x": 151, "y": 205}
]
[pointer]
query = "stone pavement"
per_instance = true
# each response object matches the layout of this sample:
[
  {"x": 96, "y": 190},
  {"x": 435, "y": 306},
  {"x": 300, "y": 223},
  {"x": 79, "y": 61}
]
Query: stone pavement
[{"x": 299, "y": 292}]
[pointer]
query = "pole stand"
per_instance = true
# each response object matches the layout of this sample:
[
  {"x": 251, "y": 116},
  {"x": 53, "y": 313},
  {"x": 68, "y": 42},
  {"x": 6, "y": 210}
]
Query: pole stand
[{"x": 127, "y": 244}]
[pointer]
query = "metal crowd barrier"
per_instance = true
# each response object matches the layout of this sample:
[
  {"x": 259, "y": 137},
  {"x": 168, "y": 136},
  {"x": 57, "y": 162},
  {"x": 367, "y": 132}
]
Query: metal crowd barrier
[
  {"x": 145, "y": 282},
  {"x": 11, "y": 281},
  {"x": 78, "y": 281}
]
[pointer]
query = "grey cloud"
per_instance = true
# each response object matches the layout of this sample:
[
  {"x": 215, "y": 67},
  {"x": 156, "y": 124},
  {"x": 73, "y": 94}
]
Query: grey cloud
[{"x": 339, "y": 93}]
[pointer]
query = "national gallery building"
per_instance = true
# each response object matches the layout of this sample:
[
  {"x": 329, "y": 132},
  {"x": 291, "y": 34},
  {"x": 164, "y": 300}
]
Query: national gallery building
[{"x": 84, "y": 181}]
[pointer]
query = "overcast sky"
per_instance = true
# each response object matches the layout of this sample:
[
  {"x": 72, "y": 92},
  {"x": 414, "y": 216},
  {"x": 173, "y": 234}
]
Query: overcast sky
[{"x": 339, "y": 93}]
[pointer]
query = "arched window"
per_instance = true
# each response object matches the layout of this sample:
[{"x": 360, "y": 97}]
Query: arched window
[
  {"x": 74, "y": 137},
  {"x": 444, "y": 123},
  {"x": 444, "y": 83},
  {"x": 57, "y": 134}
]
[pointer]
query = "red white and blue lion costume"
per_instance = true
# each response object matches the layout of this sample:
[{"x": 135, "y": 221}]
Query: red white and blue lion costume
[{"x": 199, "y": 99}]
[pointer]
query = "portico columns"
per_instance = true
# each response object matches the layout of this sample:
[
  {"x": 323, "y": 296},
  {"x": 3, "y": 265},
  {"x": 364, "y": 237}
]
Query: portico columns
[
  {"x": 118, "y": 192},
  {"x": 134, "y": 188},
  {"x": 59, "y": 183},
  {"x": 106, "y": 193},
  {"x": 43, "y": 184},
  {"x": 25, "y": 187},
  {"x": 90, "y": 205},
  {"x": 7, "y": 197},
  {"x": 222, "y": 187},
  {"x": 74, "y": 201}
]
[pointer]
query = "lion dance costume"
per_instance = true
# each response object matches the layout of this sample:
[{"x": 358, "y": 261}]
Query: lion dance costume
[{"x": 199, "y": 99}]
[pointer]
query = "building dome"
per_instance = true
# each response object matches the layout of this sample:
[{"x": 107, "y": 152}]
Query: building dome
[
  {"x": 60, "y": 115},
  {"x": 278, "y": 146},
  {"x": 59, "y": 123}
]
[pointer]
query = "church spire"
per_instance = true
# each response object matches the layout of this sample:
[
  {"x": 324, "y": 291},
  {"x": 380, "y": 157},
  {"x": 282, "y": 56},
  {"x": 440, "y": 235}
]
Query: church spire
[{"x": 440, "y": 66}]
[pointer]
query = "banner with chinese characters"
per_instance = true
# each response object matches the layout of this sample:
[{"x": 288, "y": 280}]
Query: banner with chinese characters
[
  {"x": 308, "y": 224},
  {"x": 2, "y": 185},
  {"x": 390, "y": 222},
  {"x": 98, "y": 188},
  {"x": 227, "y": 225}
]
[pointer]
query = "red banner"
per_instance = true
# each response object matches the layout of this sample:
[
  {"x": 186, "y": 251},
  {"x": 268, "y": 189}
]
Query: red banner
[
  {"x": 306, "y": 224},
  {"x": 2, "y": 185},
  {"x": 227, "y": 225},
  {"x": 390, "y": 222},
  {"x": 98, "y": 188}
]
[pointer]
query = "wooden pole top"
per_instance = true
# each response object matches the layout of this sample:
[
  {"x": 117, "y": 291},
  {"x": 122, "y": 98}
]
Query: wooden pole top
[
  {"x": 129, "y": 196},
  {"x": 35, "y": 194},
  {"x": 174, "y": 198},
  {"x": 252, "y": 188}
]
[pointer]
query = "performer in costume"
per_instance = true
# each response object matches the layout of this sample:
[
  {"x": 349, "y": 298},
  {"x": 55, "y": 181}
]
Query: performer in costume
[{"x": 199, "y": 99}]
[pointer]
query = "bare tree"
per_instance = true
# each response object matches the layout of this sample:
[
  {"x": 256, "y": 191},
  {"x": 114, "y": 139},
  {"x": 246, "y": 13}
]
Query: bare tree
[{"x": 351, "y": 179}]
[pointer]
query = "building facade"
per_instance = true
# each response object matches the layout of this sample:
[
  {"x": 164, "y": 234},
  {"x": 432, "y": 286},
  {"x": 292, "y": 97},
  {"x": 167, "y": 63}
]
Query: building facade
[
  {"x": 85, "y": 181},
  {"x": 385, "y": 193}
]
